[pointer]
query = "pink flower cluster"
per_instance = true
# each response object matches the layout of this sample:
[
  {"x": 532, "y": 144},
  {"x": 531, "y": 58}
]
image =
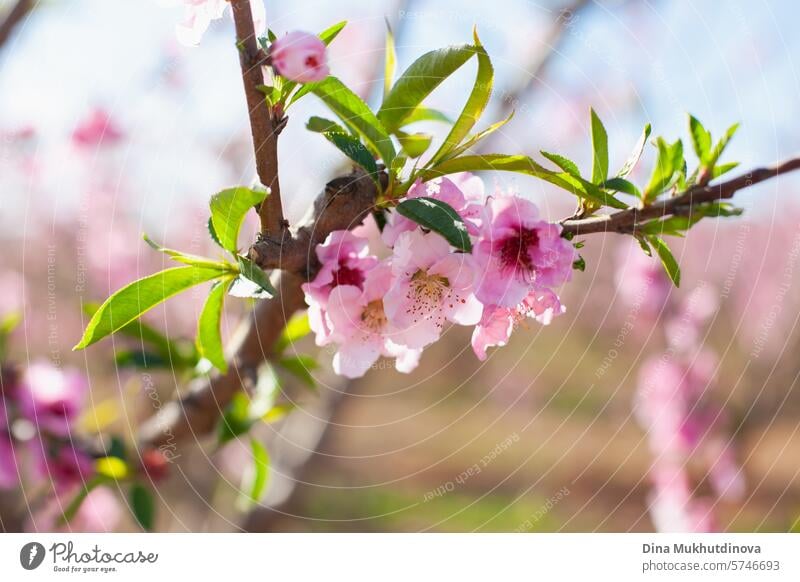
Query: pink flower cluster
[
  {"x": 686, "y": 428},
  {"x": 199, "y": 14},
  {"x": 397, "y": 305}
]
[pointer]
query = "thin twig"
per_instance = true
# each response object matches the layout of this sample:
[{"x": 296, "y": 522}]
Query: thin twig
[
  {"x": 629, "y": 221},
  {"x": 264, "y": 124},
  {"x": 13, "y": 18}
]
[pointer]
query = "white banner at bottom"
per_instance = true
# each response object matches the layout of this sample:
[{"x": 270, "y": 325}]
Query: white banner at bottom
[{"x": 401, "y": 557}]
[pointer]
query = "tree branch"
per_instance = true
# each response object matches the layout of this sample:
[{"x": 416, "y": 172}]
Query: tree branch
[
  {"x": 13, "y": 18},
  {"x": 629, "y": 221},
  {"x": 264, "y": 123}
]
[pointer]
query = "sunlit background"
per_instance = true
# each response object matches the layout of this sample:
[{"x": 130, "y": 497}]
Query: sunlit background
[{"x": 540, "y": 437}]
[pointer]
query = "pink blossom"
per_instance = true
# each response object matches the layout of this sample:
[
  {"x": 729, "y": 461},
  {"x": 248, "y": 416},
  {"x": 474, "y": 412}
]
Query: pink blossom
[
  {"x": 300, "y": 56},
  {"x": 52, "y": 398},
  {"x": 101, "y": 511},
  {"x": 439, "y": 189},
  {"x": 199, "y": 14},
  {"x": 672, "y": 506},
  {"x": 345, "y": 260},
  {"x": 61, "y": 463},
  {"x": 12, "y": 297},
  {"x": 518, "y": 251},
  {"x": 9, "y": 473},
  {"x": 725, "y": 475},
  {"x": 641, "y": 282},
  {"x": 497, "y": 323},
  {"x": 431, "y": 285},
  {"x": 96, "y": 129},
  {"x": 360, "y": 326}
]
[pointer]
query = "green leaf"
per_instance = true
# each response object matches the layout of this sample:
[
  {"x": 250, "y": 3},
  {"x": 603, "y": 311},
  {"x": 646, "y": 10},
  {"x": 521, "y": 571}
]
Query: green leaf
[
  {"x": 621, "y": 185},
  {"x": 422, "y": 113},
  {"x": 476, "y": 104},
  {"x": 715, "y": 154},
  {"x": 255, "y": 480},
  {"x": 130, "y": 302},
  {"x": 142, "y": 505},
  {"x": 353, "y": 148},
  {"x": 332, "y": 32},
  {"x": 300, "y": 366},
  {"x": 8, "y": 323},
  {"x": 667, "y": 259},
  {"x": 471, "y": 141},
  {"x": 414, "y": 144},
  {"x": 236, "y": 419},
  {"x": 322, "y": 125},
  {"x": 255, "y": 274},
  {"x": 139, "y": 359},
  {"x": 668, "y": 163},
  {"x": 113, "y": 468},
  {"x": 74, "y": 505},
  {"x": 523, "y": 165},
  {"x": 723, "y": 169},
  {"x": 418, "y": 81},
  {"x": 579, "y": 264},
  {"x": 117, "y": 448},
  {"x": 599, "y": 149},
  {"x": 187, "y": 259},
  {"x": 352, "y": 110},
  {"x": 209, "y": 337},
  {"x": 213, "y": 233},
  {"x": 278, "y": 412},
  {"x": 439, "y": 217},
  {"x": 295, "y": 329},
  {"x": 701, "y": 139},
  {"x": 634, "y": 156},
  {"x": 228, "y": 209},
  {"x": 390, "y": 62},
  {"x": 565, "y": 164}
]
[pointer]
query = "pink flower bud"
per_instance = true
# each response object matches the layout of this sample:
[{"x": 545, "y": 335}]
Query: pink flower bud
[{"x": 300, "y": 56}]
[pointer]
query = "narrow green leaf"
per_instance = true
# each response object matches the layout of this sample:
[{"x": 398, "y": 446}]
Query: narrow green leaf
[
  {"x": 228, "y": 209},
  {"x": 523, "y": 165},
  {"x": 439, "y": 217},
  {"x": 300, "y": 366},
  {"x": 667, "y": 259},
  {"x": 332, "y": 32},
  {"x": 143, "y": 506},
  {"x": 236, "y": 419},
  {"x": 353, "y": 148},
  {"x": 130, "y": 302},
  {"x": 668, "y": 163},
  {"x": 260, "y": 471},
  {"x": 278, "y": 412},
  {"x": 701, "y": 139},
  {"x": 422, "y": 113},
  {"x": 390, "y": 61},
  {"x": 715, "y": 154},
  {"x": 565, "y": 164},
  {"x": 621, "y": 185},
  {"x": 295, "y": 329},
  {"x": 418, "y": 81},
  {"x": 252, "y": 272},
  {"x": 140, "y": 359},
  {"x": 723, "y": 169},
  {"x": 471, "y": 141},
  {"x": 321, "y": 125},
  {"x": 579, "y": 264},
  {"x": 634, "y": 156},
  {"x": 352, "y": 110},
  {"x": 476, "y": 103},
  {"x": 414, "y": 144},
  {"x": 213, "y": 233},
  {"x": 209, "y": 336},
  {"x": 187, "y": 259},
  {"x": 599, "y": 149}
]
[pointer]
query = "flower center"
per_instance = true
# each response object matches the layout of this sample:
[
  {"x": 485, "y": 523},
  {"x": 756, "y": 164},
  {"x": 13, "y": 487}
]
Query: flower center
[
  {"x": 344, "y": 275},
  {"x": 312, "y": 62},
  {"x": 373, "y": 316},
  {"x": 427, "y": 292},
  {"x": 514, "y": 250}
]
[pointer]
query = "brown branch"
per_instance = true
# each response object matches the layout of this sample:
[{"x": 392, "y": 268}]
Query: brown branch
[
  {"x": 265, "y": 124},
  {"x": 343, "y": 204},
  {"x": 16, "y": 15},
  {"x": 629, "y": 221}
]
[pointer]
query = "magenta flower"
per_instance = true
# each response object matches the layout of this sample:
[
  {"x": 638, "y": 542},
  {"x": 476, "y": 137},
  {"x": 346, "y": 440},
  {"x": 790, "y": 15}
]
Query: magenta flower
[
  {"x": 360, "y": 327},
  {"x": 440, "y": 189},
  {"x": 432, "y": 285},
  {"x": 52, "y": 398},
  {"x": 9, "y": 473},
  {"x": 518, "y": 251},
  {"x": 96, "y": 129},
  {"x": 300, "y": 56},
  {"x": 497, "y": 323},
  {"x": 345, "y": 260},
  {"x": 199, "y": 14},
  {"x": 61, "y": 463}
]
